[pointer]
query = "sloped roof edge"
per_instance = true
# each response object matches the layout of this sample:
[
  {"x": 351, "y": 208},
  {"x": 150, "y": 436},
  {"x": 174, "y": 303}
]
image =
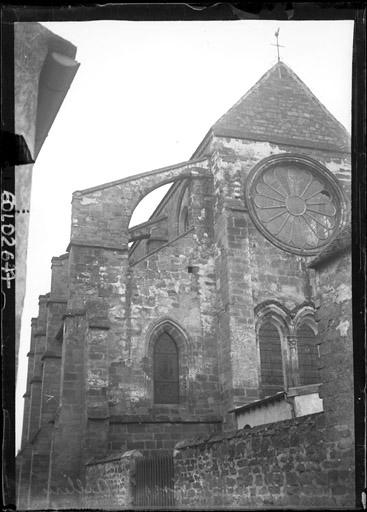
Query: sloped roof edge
[{"x": 138, "y": 176}]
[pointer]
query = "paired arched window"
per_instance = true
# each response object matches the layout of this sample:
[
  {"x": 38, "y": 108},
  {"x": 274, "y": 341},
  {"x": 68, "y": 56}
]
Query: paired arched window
[
  {"x": 308, "y": 357},
  {"x": 271, "y": 360},
  {"x": 288, "y": 351},
  {"x": 165, "y": 370}
]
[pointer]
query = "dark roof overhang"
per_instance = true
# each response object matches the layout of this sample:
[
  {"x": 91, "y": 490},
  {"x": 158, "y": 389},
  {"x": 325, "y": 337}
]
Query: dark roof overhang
[{"x": 56, "y": 76}]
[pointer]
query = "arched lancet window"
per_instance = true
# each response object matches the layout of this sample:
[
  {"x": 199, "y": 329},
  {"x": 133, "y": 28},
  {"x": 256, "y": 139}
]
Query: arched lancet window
[
  {"x": 165, "y": 370},
  {"x": 183, "y": 223},
  {"x": 308, "y": 358},
  {"x": 185, "y": 218},
  {"x": 272, "y": 379}
]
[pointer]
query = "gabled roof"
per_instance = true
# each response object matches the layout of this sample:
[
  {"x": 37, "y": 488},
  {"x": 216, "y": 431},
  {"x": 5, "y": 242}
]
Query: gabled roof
[{"x": 280, "y": 108}]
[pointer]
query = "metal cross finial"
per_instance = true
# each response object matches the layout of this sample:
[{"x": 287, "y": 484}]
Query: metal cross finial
[{"x": 277, "y": 43}]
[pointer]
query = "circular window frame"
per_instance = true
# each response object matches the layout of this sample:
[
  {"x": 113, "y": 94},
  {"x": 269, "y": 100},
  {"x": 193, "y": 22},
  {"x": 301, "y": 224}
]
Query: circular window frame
[{"x": 321, "y": 173}]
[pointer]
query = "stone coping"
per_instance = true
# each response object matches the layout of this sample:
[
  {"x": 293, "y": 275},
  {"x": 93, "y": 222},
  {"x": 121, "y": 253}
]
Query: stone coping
[
  {"x": 269, "y": 429},
  {"x": 162, "y": 418},
  {"x": 74, "y": 312},
  {"x": 61, "y": 257},
  {"x": 50, "y": 355},
  {"x": 99, "y": 323},
  {"x": 113, "y": 456},
  {"x": 135, "y": 177}
]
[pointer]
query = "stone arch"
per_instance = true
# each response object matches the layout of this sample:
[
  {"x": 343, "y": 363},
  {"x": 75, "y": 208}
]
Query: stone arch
[
  {"x": 144, "y": 195},
  {"x": 277, "y": 312},
  {"x": 181, "y": 340},
  {"x": 305, "y": 314},
  {"x": 272, "y": 316}
]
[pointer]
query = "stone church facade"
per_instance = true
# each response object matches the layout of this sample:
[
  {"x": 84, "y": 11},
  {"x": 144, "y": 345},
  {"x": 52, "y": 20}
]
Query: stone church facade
[{"x": 214, "y": 309}]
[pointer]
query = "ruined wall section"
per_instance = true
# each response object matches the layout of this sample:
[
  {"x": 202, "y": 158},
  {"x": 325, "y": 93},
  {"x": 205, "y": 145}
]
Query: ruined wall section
[{"x": 251, "y": 269}]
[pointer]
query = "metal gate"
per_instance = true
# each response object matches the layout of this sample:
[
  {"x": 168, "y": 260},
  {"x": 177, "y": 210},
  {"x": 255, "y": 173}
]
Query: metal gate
[{"x": 154, "y": 480}]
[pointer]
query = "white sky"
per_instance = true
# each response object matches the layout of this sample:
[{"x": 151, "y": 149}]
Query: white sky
[{"x": 144, "y": 96}]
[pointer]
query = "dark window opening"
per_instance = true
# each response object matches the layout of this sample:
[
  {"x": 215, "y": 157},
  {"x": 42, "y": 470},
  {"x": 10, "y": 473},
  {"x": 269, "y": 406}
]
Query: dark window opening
[
  {"x": 308, "y": 358},
  {"x": 183, "y": 223},
  {"x": 165, "y": 368},
  {"x": 271, "y": 362},
  {"x": 185, "y": 219}
]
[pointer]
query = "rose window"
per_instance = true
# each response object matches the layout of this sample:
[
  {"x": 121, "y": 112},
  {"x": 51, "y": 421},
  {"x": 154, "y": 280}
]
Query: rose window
[{"x": 295, "y": 202}]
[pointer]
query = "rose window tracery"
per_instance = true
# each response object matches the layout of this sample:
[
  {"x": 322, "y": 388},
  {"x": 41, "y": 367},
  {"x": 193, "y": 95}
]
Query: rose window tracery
[{"x": 295, "y": 202}]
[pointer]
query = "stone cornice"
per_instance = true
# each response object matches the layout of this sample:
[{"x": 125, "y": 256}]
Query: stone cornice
[
  {"x": 99, "y": 323},
  {"x": 57, "y": 300},
  {"x": 73, "y": 312},
  {"x": 35, "y": 380},
  {"x": 50, "y": 355},
  {"x": 96, "y": 245},
  {"x": 281, "y": 141},
  {"x": 39, "y": 334},
  {"x": 147, "y": 418}
]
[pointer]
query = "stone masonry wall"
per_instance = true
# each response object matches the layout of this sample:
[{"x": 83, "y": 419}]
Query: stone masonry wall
[
  {"x": 152, "y": 436},
  {"x": 334, "y": 315},
  {"x": 109, "y": 482},
  {"x": 249, "y": 269},
  {"x": 293, "y": 463}
]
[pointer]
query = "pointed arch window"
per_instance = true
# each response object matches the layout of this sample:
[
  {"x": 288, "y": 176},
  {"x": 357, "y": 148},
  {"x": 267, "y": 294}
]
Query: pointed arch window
[
  {"x": 185, "y": 219},
  {"x": 165, "y": 370},
  {"x": 308, "y": 358},
  {"x": 271, "y": 362}
]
